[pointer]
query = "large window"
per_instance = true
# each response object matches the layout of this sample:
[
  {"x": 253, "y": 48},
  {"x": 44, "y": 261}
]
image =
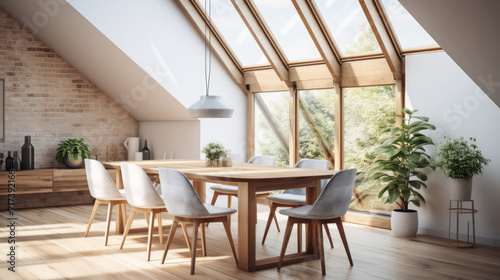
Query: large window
[
  {"x": 272, "y": 126},
  {"x": 367, "y": 112},
  {"x": 316, "y": 124}
]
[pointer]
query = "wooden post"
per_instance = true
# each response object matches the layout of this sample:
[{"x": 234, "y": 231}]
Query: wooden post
[
  {"x": 294, "y": 125},
  {"x": 250, "y": 126},
  {"x": 339, "y": 127},
  {"x": 246, "y": 226},
  {"x": 201, "y": 190},
  {"x": 119, "y": 227},
  {"x": 400, "y": 99}
]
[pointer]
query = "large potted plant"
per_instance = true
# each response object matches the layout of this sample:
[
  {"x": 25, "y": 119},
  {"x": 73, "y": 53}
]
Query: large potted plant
[
  {"x": 402, "y": 156},
  {"x": 460, "y": 161},
  {"x": 72, "y": 152}
]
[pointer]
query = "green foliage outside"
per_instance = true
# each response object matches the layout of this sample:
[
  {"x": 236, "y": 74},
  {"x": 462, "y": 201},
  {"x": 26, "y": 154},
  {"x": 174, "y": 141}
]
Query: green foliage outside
[
  {"x": 459, "y": 159},
  {"x": 75, "y": 149}
]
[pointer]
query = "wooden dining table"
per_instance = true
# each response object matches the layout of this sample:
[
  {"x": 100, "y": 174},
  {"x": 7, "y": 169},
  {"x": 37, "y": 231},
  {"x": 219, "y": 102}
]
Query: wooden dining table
[{"x": 250, "y": 179}]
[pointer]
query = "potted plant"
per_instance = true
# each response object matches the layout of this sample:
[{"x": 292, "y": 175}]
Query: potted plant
[
  {"x": 460, "y": 161},
  {"x": 72, "y": 152},
  {"x": 402, "y": 157},
  {"x": 213, "y": 152}
]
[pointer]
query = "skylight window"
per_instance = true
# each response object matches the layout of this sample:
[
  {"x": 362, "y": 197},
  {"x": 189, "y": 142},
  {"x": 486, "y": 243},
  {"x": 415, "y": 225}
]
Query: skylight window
[
  {"x": 409, "y": 32},
  {"x": 236, "y": 34},
  {"x": 348, "y": 26},
  {"x": 284, "y": 22}
]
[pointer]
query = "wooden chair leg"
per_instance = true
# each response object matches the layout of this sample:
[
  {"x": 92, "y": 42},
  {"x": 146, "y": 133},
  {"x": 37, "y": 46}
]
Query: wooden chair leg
[
  {"x": 227, "y": 228},
  {"x": 150, "y": 233},
  {"x": 193, "y": 252},
  {"x": 127, "y": 228},
  {"x": 203, "y": 240},
  {"x": 299, "y": 237},
  {"x": 327, "y": 230},
  {"x": 186, "y": 236},
  {"x": 146, "y": 217},
  {"x": 288, "y": 232},
  {"x": 320, "y": 246},
  {"x": 229, "y": 200},
  {"x": 272, "y": 213},
  {"x": 344, "y": 240},
  {"x": 276, "y": 222},
  {"x": 169, "y": 240},
  {"x": 108, "y": 223},
  {"x": 123, "y": 208},
  {"x": 92, "y": 216},
  {"x": 160, "y": 227}
]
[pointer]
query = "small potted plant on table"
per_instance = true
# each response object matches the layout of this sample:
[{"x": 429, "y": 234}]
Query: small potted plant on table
[
  {"x": 403, "y": 156},
  {"x": 213, "y": 152},
  {"x": 72, "y": 152},
  {"x": 460, "y": 161}
]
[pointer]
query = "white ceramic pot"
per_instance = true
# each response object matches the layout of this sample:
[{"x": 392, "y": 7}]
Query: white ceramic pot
[
  {"x": 138, "y": 156},
  {"x": 461, "y": 189},
  {"x": 404, "y": 224},
  {"x": 132, "y": 146}
]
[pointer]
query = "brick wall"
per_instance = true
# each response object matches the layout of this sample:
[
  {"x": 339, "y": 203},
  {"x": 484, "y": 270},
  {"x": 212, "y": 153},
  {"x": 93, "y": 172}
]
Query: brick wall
[{"x": 47, "y": 98}]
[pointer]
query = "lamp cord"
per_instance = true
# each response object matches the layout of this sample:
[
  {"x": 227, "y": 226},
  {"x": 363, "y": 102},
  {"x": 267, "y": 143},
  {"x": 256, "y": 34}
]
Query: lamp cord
[{"x": 208, "y": 76}]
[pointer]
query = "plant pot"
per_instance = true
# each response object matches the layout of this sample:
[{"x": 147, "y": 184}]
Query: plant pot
[
  {"x": 404, "y": 224},
  {"x": 213, "y": 163},
  {"x": 73, "y": 163},
  {"x": 461, "y": 189}
]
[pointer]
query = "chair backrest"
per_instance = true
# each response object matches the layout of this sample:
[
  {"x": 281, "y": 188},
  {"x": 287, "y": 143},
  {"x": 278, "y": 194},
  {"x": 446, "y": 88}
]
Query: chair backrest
[
  {"x": 179, "y": 195},
  {"x": 139, "y": 190},
  {"x": 334, "y": 200},
  {"x": 310, "y": 164},
  {"x": 262, "y": 160},
  {"x": 101, "y": 186}
]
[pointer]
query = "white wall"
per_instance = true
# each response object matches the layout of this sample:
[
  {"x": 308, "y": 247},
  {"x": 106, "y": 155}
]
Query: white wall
[
  {"x": 161, "y": 39},
  {"x": 437, "y": 86},
  {"x": 179, "y": 138}
]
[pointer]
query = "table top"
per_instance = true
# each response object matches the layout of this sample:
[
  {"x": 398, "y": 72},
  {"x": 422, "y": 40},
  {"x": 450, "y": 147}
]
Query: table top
[{"x": 239, "y": 172}]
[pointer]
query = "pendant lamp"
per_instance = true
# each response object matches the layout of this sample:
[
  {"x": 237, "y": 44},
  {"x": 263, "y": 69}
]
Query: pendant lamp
[{"x": 209, "y": 106}]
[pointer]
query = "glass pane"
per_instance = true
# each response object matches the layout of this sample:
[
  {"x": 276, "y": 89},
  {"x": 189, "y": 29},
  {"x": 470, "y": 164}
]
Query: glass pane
[
  {"x": 316, "y": 124},
  {"x": 367, "y": 112},
  {"x": 348, "y": 26},
  {"x": 409, "y": 32},
  {"x": 276, "y": 111},
  {"x": 235, "y": 33},
  {"x": 288, "y": 29}
]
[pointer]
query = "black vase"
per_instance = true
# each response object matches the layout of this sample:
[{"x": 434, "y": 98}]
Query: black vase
[
  {"x": 16, "y": 162},
  {"x": 146, "y": 154},
  {"x": 27, "y": 154},
  {"x": 9, "y": 162}
]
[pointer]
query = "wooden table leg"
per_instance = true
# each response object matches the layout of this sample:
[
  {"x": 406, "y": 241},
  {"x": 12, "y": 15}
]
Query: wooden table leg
[
  {"x": 246, "y": 226},
  {"x": 201, "y": 189},
  {"x": 119, "y": 218},
  {"x": 312, "y": 194}
]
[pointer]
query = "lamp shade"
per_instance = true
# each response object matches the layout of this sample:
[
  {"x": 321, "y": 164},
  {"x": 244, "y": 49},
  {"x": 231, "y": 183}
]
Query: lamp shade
[{"x": 210, "y": 106}]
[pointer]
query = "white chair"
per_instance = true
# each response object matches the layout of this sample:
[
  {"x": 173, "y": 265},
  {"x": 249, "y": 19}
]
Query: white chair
[
  {"x": 231, "y": 191},
  {"x": 331, "y": 205},
  {"x": 183, "y": 202},
  {"x": 104, "y": 190},
  {"x": 296, "y": 198},
  {"x": 142, "y": 196}
]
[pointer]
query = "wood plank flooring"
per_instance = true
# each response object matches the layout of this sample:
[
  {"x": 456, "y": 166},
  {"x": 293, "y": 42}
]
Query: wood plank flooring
[{"x": 50, "y": 245}]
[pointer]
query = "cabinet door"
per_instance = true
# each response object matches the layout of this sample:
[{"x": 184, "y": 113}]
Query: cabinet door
[{"x": 28, "y": 181}]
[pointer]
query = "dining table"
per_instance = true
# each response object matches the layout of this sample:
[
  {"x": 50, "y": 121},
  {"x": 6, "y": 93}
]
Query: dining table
[{"x": 250, "y": 179}]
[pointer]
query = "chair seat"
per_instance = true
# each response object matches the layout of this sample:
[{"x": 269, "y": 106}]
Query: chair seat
[
  {"x": 122, "y": 192},
  {"x": 213, "y": 212},
  {"x": 230, "y": 189},
  {"x": 287, "y": 198},
  {"x": 301, "y": 212}
]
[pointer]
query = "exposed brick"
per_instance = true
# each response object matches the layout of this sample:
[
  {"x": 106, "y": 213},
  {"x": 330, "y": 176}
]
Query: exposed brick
[{"x": 47, "y": 98}]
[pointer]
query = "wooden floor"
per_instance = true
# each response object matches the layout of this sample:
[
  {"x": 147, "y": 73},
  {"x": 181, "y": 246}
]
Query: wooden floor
[{"x": 50, "y": 245}]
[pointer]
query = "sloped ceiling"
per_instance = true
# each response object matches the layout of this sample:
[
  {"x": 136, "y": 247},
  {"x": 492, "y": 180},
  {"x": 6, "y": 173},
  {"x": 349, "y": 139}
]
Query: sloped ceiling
[
  {"x": 469, "y": 32},
  {"x": 82, "y": 45}
]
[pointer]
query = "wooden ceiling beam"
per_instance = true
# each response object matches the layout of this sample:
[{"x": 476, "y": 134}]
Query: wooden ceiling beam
[
  {"x": 220, "y": 49},
  {"x": 383, "y": 36},
  {"x": 316, "y": 31},
  {"x": 264, "y": 39}
]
